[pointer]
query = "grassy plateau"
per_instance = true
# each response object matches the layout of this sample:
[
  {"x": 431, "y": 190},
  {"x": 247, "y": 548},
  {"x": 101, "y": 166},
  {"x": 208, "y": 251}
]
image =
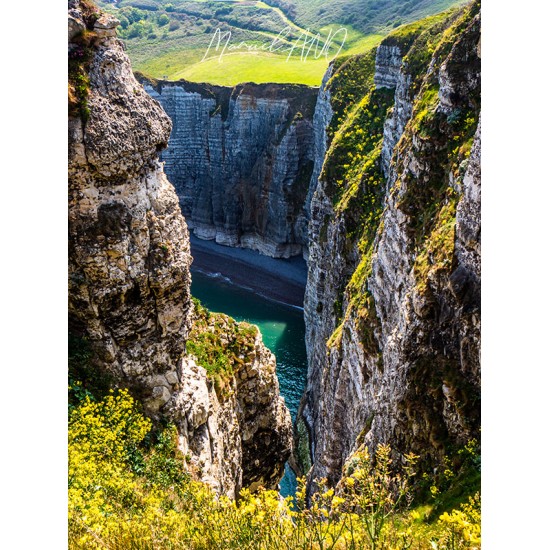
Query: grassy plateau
[{"x": 280, "y": 41}]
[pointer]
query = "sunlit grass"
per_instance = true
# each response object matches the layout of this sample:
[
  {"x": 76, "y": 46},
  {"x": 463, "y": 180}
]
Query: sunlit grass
[
  {"x": 259, "y": 67},
  {"x": 363, "y": 44},
  {"x": 168, "y": 65},
  {"x": 254, "y": 67},
  {"x": 160, "y": 50}
]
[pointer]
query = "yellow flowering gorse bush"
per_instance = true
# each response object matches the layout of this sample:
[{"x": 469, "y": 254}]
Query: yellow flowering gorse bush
[{"x": 125, "y": 494}]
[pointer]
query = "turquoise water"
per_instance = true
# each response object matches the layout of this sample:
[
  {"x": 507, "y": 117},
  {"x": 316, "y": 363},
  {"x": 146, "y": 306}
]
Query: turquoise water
[{"x": 283, "y": 332}]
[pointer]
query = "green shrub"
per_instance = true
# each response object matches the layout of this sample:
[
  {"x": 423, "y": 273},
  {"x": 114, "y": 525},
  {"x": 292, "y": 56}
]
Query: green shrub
[
  {"x": 79, "y": 58},
  {"x": 135, "y": 31},
  {"x": 86, "y": 380},
  {"x": 117, "y": 501},
  {"x": 124, "y": 22}
]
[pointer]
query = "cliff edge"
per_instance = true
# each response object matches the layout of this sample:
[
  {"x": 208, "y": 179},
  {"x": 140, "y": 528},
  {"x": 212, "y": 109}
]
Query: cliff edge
[
  {"x": 129, "y": 280},
  {"x": 393, "y": 334}
]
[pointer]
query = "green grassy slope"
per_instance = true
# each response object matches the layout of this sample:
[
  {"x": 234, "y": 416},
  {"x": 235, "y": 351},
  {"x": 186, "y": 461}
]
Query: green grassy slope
[
  {"x": 169, "y": 38},
  {"x": 367, "y": 16}
]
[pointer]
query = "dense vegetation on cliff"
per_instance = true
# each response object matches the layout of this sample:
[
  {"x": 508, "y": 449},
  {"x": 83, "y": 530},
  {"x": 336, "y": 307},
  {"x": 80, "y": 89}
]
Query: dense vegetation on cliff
[
  {"x": 170, "y": 39},
  {"x": 219, "y": 344},
  {"x": 393, "y": 332},
  {"x": 203, "y": 400},
  {"x": 130, "y": 487},
  {"x": 353, "y": 170}
]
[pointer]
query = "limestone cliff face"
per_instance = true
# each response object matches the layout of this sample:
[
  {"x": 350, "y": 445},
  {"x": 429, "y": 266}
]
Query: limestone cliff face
[
  {"x": 321, "y": 119},
  {"x": 129, "y": 281},
  {"x": 241, "y": 160},
  {"x": 391, "y": 74},
  {"x": 129, "y": 251},
  {"x": 388, "y": 65},
  {"x": 238, "y": 437},
  {"x": 392, "y": 302}
]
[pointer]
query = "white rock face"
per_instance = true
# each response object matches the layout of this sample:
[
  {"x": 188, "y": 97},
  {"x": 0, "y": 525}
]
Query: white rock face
[
  {"x": 468, "y": 216},
  {"x": 129, "y": 250},
  {"x": 396, "y": 121},
  {"x": 410, "y": 376},
  {"x": 388, "y": 65},
  {"x": 129, "y": 281},
  {"x": 241, "y": 160}
]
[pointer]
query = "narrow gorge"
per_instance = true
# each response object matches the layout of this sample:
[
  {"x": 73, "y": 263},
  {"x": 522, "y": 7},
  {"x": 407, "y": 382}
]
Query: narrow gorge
[
  {"x": 388, "y": 222},
  {"x": 371, "y": 183}
]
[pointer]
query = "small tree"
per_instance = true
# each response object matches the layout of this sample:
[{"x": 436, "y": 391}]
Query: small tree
[
  {"x": 124, "y": 22},
  {"x": 135, "y": 31}
]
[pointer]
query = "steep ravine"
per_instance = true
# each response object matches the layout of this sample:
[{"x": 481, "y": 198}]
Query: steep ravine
[
  {"x": 375, "y": 178},
  {"x": 392, "y": 304},
  {"x": 129, "y": 281},
  {"x": 241, "y": 161}
]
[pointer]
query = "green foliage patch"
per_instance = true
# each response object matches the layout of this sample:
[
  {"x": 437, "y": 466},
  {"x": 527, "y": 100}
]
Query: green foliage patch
[
  {"x": 220, "y": 344},
  {"x": 85, "y": 378},
  {"x": 170, "y": 39},
  {"x": 352, "y": 79},
  {"x": 354, "y": 181},
  {"x": 446, "y": 143},
  {"x": 79, "y": 59},
  {"x": 114, "y": 504},
  {"x": 437, "y": 254},
  {"x": 367, "y": 16}
]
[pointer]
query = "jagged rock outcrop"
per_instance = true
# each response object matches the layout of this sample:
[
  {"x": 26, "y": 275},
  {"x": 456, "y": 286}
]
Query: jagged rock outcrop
[
  {"x": 242, "y": 437},
  {"x": 390, "y": 74},
  {"x": 388, "y": 65},
  {"x": 241, "y": 160},
  {"x": 129, "y": 281},
  {"x": 393, "y": 334},
  {"x": 129, "y": 251},
  {"x": 321, "y": 119}
]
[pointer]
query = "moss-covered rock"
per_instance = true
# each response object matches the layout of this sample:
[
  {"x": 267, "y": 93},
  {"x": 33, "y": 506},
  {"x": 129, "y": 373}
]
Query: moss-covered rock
[
  {"x": 393, "y": 332},
  {"x": 220, "y": 344}
]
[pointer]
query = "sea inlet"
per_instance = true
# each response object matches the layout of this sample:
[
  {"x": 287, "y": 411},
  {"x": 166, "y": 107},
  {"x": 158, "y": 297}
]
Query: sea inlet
[{"x": 268, "y": 293}]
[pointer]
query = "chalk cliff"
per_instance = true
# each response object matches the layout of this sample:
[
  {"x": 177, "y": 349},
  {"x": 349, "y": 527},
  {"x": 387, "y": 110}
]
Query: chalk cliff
[
  {"x": 241, "y": 161},
  {"x": 392, "y": 303},
  {"x": 129, "y": 280}
]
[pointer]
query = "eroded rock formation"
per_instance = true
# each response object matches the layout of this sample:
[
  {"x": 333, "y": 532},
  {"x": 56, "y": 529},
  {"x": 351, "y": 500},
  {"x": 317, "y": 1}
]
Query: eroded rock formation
[
  {"x": 129, "y": 281},
  {"x": 392, "y": 302},
  {"x": 241, "y": 161}
]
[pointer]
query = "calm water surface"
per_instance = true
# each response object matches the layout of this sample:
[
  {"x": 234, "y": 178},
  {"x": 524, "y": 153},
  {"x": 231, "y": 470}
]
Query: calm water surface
[{"x": 283, "y": 332}]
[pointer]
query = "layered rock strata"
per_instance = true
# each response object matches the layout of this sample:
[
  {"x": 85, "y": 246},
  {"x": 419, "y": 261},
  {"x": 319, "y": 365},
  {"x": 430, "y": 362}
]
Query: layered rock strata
[
  {"x": 241, "y": 160},
  {"x": 393, "y": 314},
  {"x": 129, "y": 281}
]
